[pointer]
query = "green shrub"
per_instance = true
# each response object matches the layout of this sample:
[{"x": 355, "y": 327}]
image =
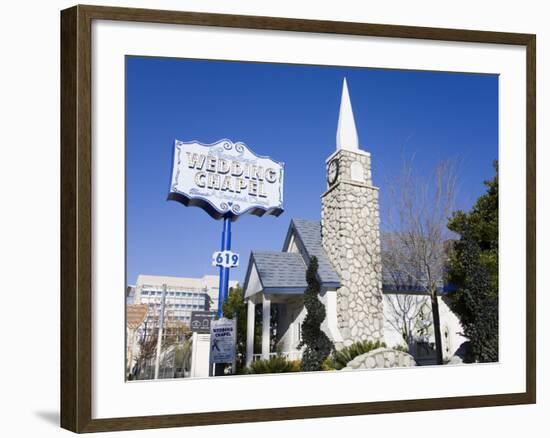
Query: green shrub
[
  {"x": 328, "y": 364},
  {"x": 346, "y": 354},
  {"x": 316, "y": 342},
  {"x": 277, "y": 364},
  {"x": 401, "y": 347}
]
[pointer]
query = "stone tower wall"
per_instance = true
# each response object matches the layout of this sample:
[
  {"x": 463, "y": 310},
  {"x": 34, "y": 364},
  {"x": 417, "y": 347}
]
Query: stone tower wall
[{"x": 351, "y": 239}]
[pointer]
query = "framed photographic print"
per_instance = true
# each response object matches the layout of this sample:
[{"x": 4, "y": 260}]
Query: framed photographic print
[{"x": 319, "y": 218}]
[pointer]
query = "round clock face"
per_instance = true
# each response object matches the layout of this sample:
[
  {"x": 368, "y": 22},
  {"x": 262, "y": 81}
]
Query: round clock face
[{"x": 332, "y": 171}]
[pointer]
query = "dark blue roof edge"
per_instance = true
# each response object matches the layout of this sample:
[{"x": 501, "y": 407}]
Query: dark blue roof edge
[
  {"x": 330, "y": 285},
  {"x": 284, "y": 290},
  {"x": 419, "y": 290}
]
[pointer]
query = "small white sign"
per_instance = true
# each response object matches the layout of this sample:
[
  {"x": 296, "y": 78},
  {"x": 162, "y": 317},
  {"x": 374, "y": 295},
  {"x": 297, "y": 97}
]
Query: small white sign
[
  {"x": 226, "y": 259},
  {"x": 226, "y": 178},
  {"x": 223, "y": 334}
]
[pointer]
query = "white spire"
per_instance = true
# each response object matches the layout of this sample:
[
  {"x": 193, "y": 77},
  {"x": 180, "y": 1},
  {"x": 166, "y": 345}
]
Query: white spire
[{"x": 346, "y": 135}]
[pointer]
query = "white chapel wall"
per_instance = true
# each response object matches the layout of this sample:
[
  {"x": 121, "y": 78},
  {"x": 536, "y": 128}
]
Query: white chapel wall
[
  {"x": 451, "y": 328},
  {"x": 291, "y": 316}
]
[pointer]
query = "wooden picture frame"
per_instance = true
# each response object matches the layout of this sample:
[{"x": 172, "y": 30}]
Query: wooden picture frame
[{"x": 76, "y": 217}]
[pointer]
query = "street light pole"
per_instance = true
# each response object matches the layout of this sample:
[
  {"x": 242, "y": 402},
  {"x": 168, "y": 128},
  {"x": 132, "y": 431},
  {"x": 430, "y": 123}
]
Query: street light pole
[{"x": 160, "y": 330}]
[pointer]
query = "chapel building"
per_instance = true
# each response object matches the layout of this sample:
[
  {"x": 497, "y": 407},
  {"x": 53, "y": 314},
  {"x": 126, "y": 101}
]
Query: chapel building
[{"x": 346, "y": 243}]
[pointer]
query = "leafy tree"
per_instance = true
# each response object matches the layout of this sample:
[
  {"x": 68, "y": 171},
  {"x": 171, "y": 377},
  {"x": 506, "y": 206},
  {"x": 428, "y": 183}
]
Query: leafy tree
[
  {"x": 482, "y": 223},
  {"x": 235, "y": 308},
  {"x": 473, "y": 270},
  {"x": 317, "y": 344},
  {"x": 479, "y": 307}
]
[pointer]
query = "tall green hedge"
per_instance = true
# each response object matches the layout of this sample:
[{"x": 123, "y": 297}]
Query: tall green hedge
[{"x": 317, "y": 344}]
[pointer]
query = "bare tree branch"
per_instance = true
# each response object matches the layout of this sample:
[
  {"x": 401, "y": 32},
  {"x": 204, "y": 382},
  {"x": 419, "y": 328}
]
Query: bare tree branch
[{"x": 414, "y": 240}]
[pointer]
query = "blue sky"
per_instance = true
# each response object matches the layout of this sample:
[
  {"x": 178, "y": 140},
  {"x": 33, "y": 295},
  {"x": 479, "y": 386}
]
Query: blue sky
[{"x": 289, "y": 112}]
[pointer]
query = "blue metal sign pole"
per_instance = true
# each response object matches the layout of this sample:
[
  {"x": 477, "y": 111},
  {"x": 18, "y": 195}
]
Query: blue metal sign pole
[
  {"x": 224, "y": 281},
  {"x": 224, "y": 271}
]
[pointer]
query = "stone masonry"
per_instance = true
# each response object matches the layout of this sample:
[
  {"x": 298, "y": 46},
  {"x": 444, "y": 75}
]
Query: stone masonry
[
  {"x": 351, "y": 239},
  {"x": 381, "y": 358}
]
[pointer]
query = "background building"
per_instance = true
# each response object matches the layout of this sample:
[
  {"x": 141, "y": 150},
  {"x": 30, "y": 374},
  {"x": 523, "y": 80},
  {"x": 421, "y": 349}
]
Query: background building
[{"x": 183, "y": 294}]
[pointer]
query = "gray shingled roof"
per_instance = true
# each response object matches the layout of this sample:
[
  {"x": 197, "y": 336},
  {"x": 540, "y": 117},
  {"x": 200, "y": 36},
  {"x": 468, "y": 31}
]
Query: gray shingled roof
[
  {"x": 309, "y": 234},
  {"x": 285, "y": 272},
  {"x": 280, "y": 270}
]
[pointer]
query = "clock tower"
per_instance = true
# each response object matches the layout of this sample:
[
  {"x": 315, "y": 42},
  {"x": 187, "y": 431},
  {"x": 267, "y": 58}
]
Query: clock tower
[{"x": 350, "y": 225}]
